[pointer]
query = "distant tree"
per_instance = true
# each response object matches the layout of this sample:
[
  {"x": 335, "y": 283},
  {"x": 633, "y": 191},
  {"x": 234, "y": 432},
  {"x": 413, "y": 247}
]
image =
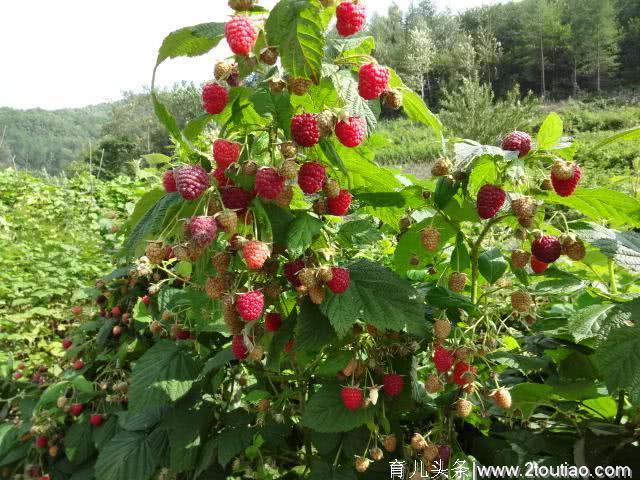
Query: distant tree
[
  {"x": 628, "y": 15},
  {"x": 420, "y": 51}
]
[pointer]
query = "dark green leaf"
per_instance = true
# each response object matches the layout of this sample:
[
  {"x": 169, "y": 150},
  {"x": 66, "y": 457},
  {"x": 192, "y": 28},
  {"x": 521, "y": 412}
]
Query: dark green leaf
[
  {"x": 77, "y": 441},
  {"x": 460, "y": 260},
  {"x": 313, "y": 330},
  {"x": 131, "y": 455},
  {"x": 301, "y": 233},
  {"x": 446, "y": 189},
  {"x": 619, "y": 361},
  {"x": 326, "y": 413},
  {"x": 492, "y": 265},
  {"x": 191, "y": 41}
]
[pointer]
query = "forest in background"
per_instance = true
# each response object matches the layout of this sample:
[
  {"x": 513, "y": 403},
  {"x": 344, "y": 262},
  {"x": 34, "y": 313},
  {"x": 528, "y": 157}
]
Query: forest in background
[{"x": 510, "y": 59}]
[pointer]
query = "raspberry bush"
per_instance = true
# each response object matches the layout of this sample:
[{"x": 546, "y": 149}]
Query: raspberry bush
[{"x": 285, "y": 308}]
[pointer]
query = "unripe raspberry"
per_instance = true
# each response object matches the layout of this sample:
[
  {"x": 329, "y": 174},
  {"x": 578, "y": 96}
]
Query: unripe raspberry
[
  {"x": 463, "y": 408},
  {"x": 264, "y": 405},
  {"x": 325, "y": 274},
  {"x": 272, "y": 290},
  {"x": 351, "y": 18},
  {"x": 390, "y": 443},
  {"x": 231, "y": 317},
  {"x": 351, "y": 131},
  {"x": 289, "y": 169},
  {"x": 317, "y": 294},
  {"x": 154, "y": 251},
  {"x": 307, "y": 277},
  {"x": 373, "y": 80},
  {"x": 239, "y": 349},
  {"x": 418, "y": 443},
  {"x": 288, "y": 150},
  {"x": 225, "y": 153},
  {"x": 216, "y": 287},
  {"x": 376, "y": 454},
  {"x": 277, "y": 85},
  {"x": 255, "y": 254},
  {"x": 155, "y": 327},
  {"x": 221, "y": 261},
  {"x": 521, "y": 301},
  {"x": 441, "y": 167},
  {"x": 546, "y": 185},
  {"x": 228, "y": 221},
  {"x": 240, "y": 5},
  {"x": 565, "y": 188},
  {"x": 201, "y": 231},
  {"x": 250, "y": 168},
  {"x": 311, "y": 177},
  {"x": 489, "y": 201},
  {"x": 362, "y": 464},
  {"x": 520, "y": 258},
  {"x": 442, "y": 328},
  {"x": 433, "y": 384},
  {"x": 269, "y": 183},
  {"x": 331, "y": 188},
  {"x": 326, "y": 123},
  {"x": 191, "y": 181},
  {"x": 304, "y": 129},
  {"x": 562, "y": 170},
  {"x": 502, "y": 398},
  {"x": 573, "y": 247},
  {"x": 169, "y": 182},
  {"x": 392, "y": 99},
  {"x": 241, "y": 35},
  {"x": 546, "y": 248},
  {"x": 430, "y": 238},
  {"x": 517, "y": 142},
  {"x": 257, "y": 354},
  {"x": 457, "y": 281},
  {"x": 61, "y": 402},
  {"x": 339, "y": 205},
  {"x": 286, "y": 196},
  {"x": 269, "y": 56},
  {"x": 340, "y": 280},
  {"x": 524, "y": 207},
  {"x": 223, "y": 70},
  {"x": 320, "y": 207},
  {"x": 214, "y": 98},
  {"x": 250, "y": 305},
  {"x": 299, "y": 86},
  {"x": 430, "y": 453}
]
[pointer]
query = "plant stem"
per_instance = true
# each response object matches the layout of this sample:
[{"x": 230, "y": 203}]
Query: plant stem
[
  {"x": 620, "y": 407},
  {"x": 475, "y": 254},
  {"x": 613, "y": 285}
]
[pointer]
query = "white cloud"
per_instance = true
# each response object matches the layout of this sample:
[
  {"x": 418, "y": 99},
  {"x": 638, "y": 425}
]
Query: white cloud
[{"x": 73, "y": 53}]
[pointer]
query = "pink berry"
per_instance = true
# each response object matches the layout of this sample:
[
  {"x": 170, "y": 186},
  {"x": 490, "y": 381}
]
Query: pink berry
[
  {"x": 304, "y": 129},
  {"x": 250, "y": 305},
  {"x": 225, "y": 152},
  {"x": 169, "y": 181},
  {"x": 311, "y": 177},
  {"x": 272, "y": 322},
  {"x": 214, "y": 98},
  {"x": 269, "y": 183},
  {"x": 489, "y": 201},
  {"x": 517, "y": 142},
  {"x": 546, "y": 248},
  {"x": 340, "y": 204},
  {"x": 374, "y": 79},
  {"x": 340, "y": 281},
  {"x": 351, "y": 132},
  {"x": 351, "y": 18},
  {"x": 191, "y": 181},
  {"x": 241, "y": 35}
]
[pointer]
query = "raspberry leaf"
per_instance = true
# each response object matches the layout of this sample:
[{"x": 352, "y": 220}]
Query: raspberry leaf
[
  {"x": 131, "y": 455},
  {"x": 623, "y": 247},
  {"x": 460, "y": 260},
  {"x": 492, "y": 265},
  {"x": 550, "y": 132},
  {"x": 325, "y": 412},
  {"x": 191, "y": 41},
  {"x": 619, "y": 361},
  {"x": 485, "y": 170},
  {"x": 301, "y": 233},
  {"x": 77, "y": 441},
  {"x": 347, "y": 88},
  {"x": 313, "y": 330}
]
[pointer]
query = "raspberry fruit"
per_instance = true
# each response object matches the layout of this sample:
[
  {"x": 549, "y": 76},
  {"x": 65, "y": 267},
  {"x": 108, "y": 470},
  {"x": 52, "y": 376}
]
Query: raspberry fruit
[
  {"x": 519, "y": 258},
  {"x": 351, "y": 131},
  {"x": 299, "y": 86},
  {"x": 288, "y": 150},
  {"x": 225, "y": 152},
  {"x": 362, "y": 464},
  {"x": 565, "y": 188},
  {"x": 392, "y": 384},
  {"x": 67, "y": 343},
  {"x": 76, "y": 409},
  {"x": 430, "y": 453},
  {"x": 269, "y": 56},
  {"x": 326, "y": 123},
  {"x": 546, "y": 185},
  {"x": 352, "y": 397},
  {"x": 169, "y": 182},
  {"x": 433, "y": 384},
  {"x": 221, "y": 177},
  {"x": 442, "y": 329},
  {"x": 239, "y": 349},
  {"x": 96, "y": 420},
  {"x": 351, "y": 18},
  {"x": 272, "y": 322},
  {"x": 340, "y": 280},
  {"x": 393, "y": 99},
  {"x": 538, "y": 266},
  {"x": 191, "y": 181},
  {"x": 269, "y": 183},
  {"x": 340, "y": 204},
  {"x": 291, "y": 270},
  {"x": 443, "y": 359},
  {"x": 215, "y": 287},
  {"x": 223, "y": 70},
  {"x": 331, "y": 188},
  {"x": 255, "y": 253},
  {"x": 307, "y": 277},
  {"x": 228, "y": 221},
  {"x": 390, "y": 443},
  {"x": 546, "y": 248},
  {"x": 42, "y": 441},
  {"x": 240, "y": 5},
  {"x": 285, "y": 198},
  {"x": 489, "y": 201},
  {"x": 524, "y": 207},
  {"x": 441, "y": 167},
  {"x": 201, "y": 230},
  {"x": 430, "y": 237},
  {"x": 235, "y": 198},
  {"x": 78, "y": 364},
  {"x": 562, "y": 170},
  {"x": 317, "y": 294},
  {"x": 241, "y": 35},
  {"x": 289, "y": 169},
  {"x": 463, "y": 408},
  {"x": 374, "y": 80},
  {"x": 311, "y": 177},
  {"x": 457, "y": 282},
  {"x": 573, "y": 247},
  {"x": 517, "y": 142},
  {"x": 376, "y": 454},
  {"x": 502, "y": 398},
  {"x": 463, "y": 373},
  {"x": 250, "y": 305},
  {"x": 521, "y": 301},
  {"x": 418, "y": 442},
  {"x": 214, "y": 98},
  {"x": 304, "y": 129}
]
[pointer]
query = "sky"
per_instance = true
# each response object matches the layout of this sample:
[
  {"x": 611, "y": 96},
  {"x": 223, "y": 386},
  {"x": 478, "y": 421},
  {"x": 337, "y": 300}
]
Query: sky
[{"x": 72, "y": 53}]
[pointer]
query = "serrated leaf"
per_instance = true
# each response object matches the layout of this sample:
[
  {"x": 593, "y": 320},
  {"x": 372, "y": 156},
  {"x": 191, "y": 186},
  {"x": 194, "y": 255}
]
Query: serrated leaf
[
  {"x": 169, "y": 121},
  {"x": 446, "y": 189},
  {"x": 164, "y": 374},
  {"x": 346, "y": 47},
  {"x": 590, "y": 321},
  {"x": 414, "y": 107},
  {"x": 301, "y": 233},
  {"x": 326, "y": 413},
  {"x": 231, "y": 443},
  {"x": 313, "y": 330},
  {"x": 492, "y": 265},
  {"x": 191, "y": 41},
  {"x": 77, "y": 441},
  {"x": 347, "y": 88},
  {"x": 484, "y": 171},
  {"x": 131, "y": 455},
  {"x": 618, "y": 359},
  {"x": 550, "y": 132},
  {"x": 623, "y": 247},
  {"x": 443, "y": 298},
  {"x": 526, "y": 397},
  {"x": 627, "y": 135},
  {"x": 105, "y": 432},
  {"x": 460, "y": 260}
]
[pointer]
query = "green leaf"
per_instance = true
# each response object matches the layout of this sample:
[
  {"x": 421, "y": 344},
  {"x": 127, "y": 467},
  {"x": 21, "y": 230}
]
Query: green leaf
[
  {"x": 346, "y": 86},
  {"x": 313, "y": 330},
  {"x": 325, "y": 412},
  {"x": 231, "y": 443},
  {"x": 550, "y": 132},
  {"x": 445, "y": 190},
  {"x": 169, "y": 121},
  {"x": 345, "y": 47},
  {"x": 165, "y": 373},
  {"x": 460, "y": 260},
  {"x": 297, "y": 27},
  {"x": 627, "y": 135},
  {"x": 301, "y": 233},
  {"x": 492, "y": 265},
  {"x": 526, "y": 397},
  {"x": 618, "y": 359},
  {"x": 376, "y": 296},
  {"x": 77, "y": 441},
  {"x": 485, "y": 170},
  {"x": 131, "y": 455},
  {"x": 278, "y": 107},
  {"x": 191, "y": 41},
  {"x": 623, "y": 247},
  {"x": 441, "y": 297},
  {"x": 105, "y": 432},
  {"x": 591, "y": 321}
]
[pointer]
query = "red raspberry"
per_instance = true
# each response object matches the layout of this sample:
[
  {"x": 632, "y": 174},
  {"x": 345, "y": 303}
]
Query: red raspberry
[
  {"x": 146, "y": 299},
  {"x": 214, "y": 98},
  {"x": 351, "y": 132},
  {"x": 374, "y": 79},
  {"x": 352, "y": 397},
  {"x": 311, "y": 177},
  {"x": 255, "y": 254},
  {"x": 239, "y": 349},
  {"x": 250, "y": 305},
  {"x": 269, "y": 183},
  {"x": 191, "y": 181},
  {"x": 96, "y": 420},
  {"x": 225, "y": 152},
  {"x": 221, "y": 177},
  {"x": 201, "y": 230},
  {"x": 351, "y": 18},
  {"x": 463, "y": 373},
  {"x": 538, "y": 266},
  {"x": 272, "y": 322},
  {"x": 340, "y": 280},
  {"x": 78, "y": 364},
  {"x": 235, "y": 198},
  {"x": 181, "y": 333},
  {"x": 392, "y": 384},
  {"x": 116, "y": 311},
  {"x": 517, "y": 142},
  {"x": 67, "y": 343},
  {"x": 565, "y": 188},
  {"x": 17, "y": 375},
  {"x": 169, "y": 182},
  {"x": 42, "y": 441},
  {"x": 304, "y": 129},
  {"x": 490, "y": 200},
  {"x": 547, "y": 248},
  {"x": 340, "y": 204},
  {"x": 76, "y": 409},
  {"x": 443, "y": 359},
  {"x": 291, "y": 270},
  {"x": 241, "y": 35}
]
